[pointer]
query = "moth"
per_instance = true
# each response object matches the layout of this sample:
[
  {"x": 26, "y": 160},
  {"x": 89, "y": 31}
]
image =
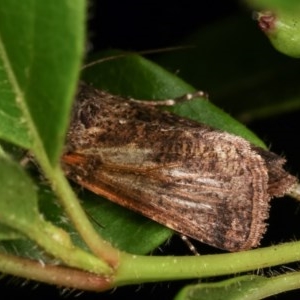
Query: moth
[{"x": 204, "y": 183}]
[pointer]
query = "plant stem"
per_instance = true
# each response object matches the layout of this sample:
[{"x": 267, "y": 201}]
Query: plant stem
[
  {"x": 58, "y": 243},
  {"x": 73, "y": 209},
  {"x": 140, "y": 269},
  {"x": 52, "y": 274}
]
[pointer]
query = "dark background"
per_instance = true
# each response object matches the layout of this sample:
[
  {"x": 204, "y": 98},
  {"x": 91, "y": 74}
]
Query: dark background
[{"x": 140, "y": 25}]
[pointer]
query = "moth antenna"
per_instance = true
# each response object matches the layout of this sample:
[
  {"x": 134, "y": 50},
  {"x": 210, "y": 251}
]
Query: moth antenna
[{"x": 145, "y": 52}]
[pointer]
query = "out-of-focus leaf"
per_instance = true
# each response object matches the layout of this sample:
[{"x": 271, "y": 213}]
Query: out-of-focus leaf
[{"x": 250, "y": 287}]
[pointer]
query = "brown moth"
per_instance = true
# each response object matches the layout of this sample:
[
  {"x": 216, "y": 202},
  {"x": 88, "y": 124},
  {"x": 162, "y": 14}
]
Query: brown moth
[{"x": 204, "y": 183}]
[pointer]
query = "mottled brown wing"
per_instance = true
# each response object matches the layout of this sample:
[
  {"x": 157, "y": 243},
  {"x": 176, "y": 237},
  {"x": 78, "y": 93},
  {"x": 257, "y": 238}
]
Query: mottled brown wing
[
  {"x": 219, "y": 197},
  {"x": 207, "y": 184}
]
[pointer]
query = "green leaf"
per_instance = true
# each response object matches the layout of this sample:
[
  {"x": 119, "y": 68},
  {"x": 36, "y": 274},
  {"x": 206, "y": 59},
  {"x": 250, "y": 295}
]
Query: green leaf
[
  {"x": 18, "y": 205},
  {"x": 12, "y": 125},
  {"x": 38, "y": 69},
  {"x": 250, "y": 287}
]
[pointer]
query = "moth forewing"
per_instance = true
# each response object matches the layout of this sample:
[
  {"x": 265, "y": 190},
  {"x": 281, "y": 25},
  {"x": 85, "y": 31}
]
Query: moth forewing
[{"x": 201, "y": 182}]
